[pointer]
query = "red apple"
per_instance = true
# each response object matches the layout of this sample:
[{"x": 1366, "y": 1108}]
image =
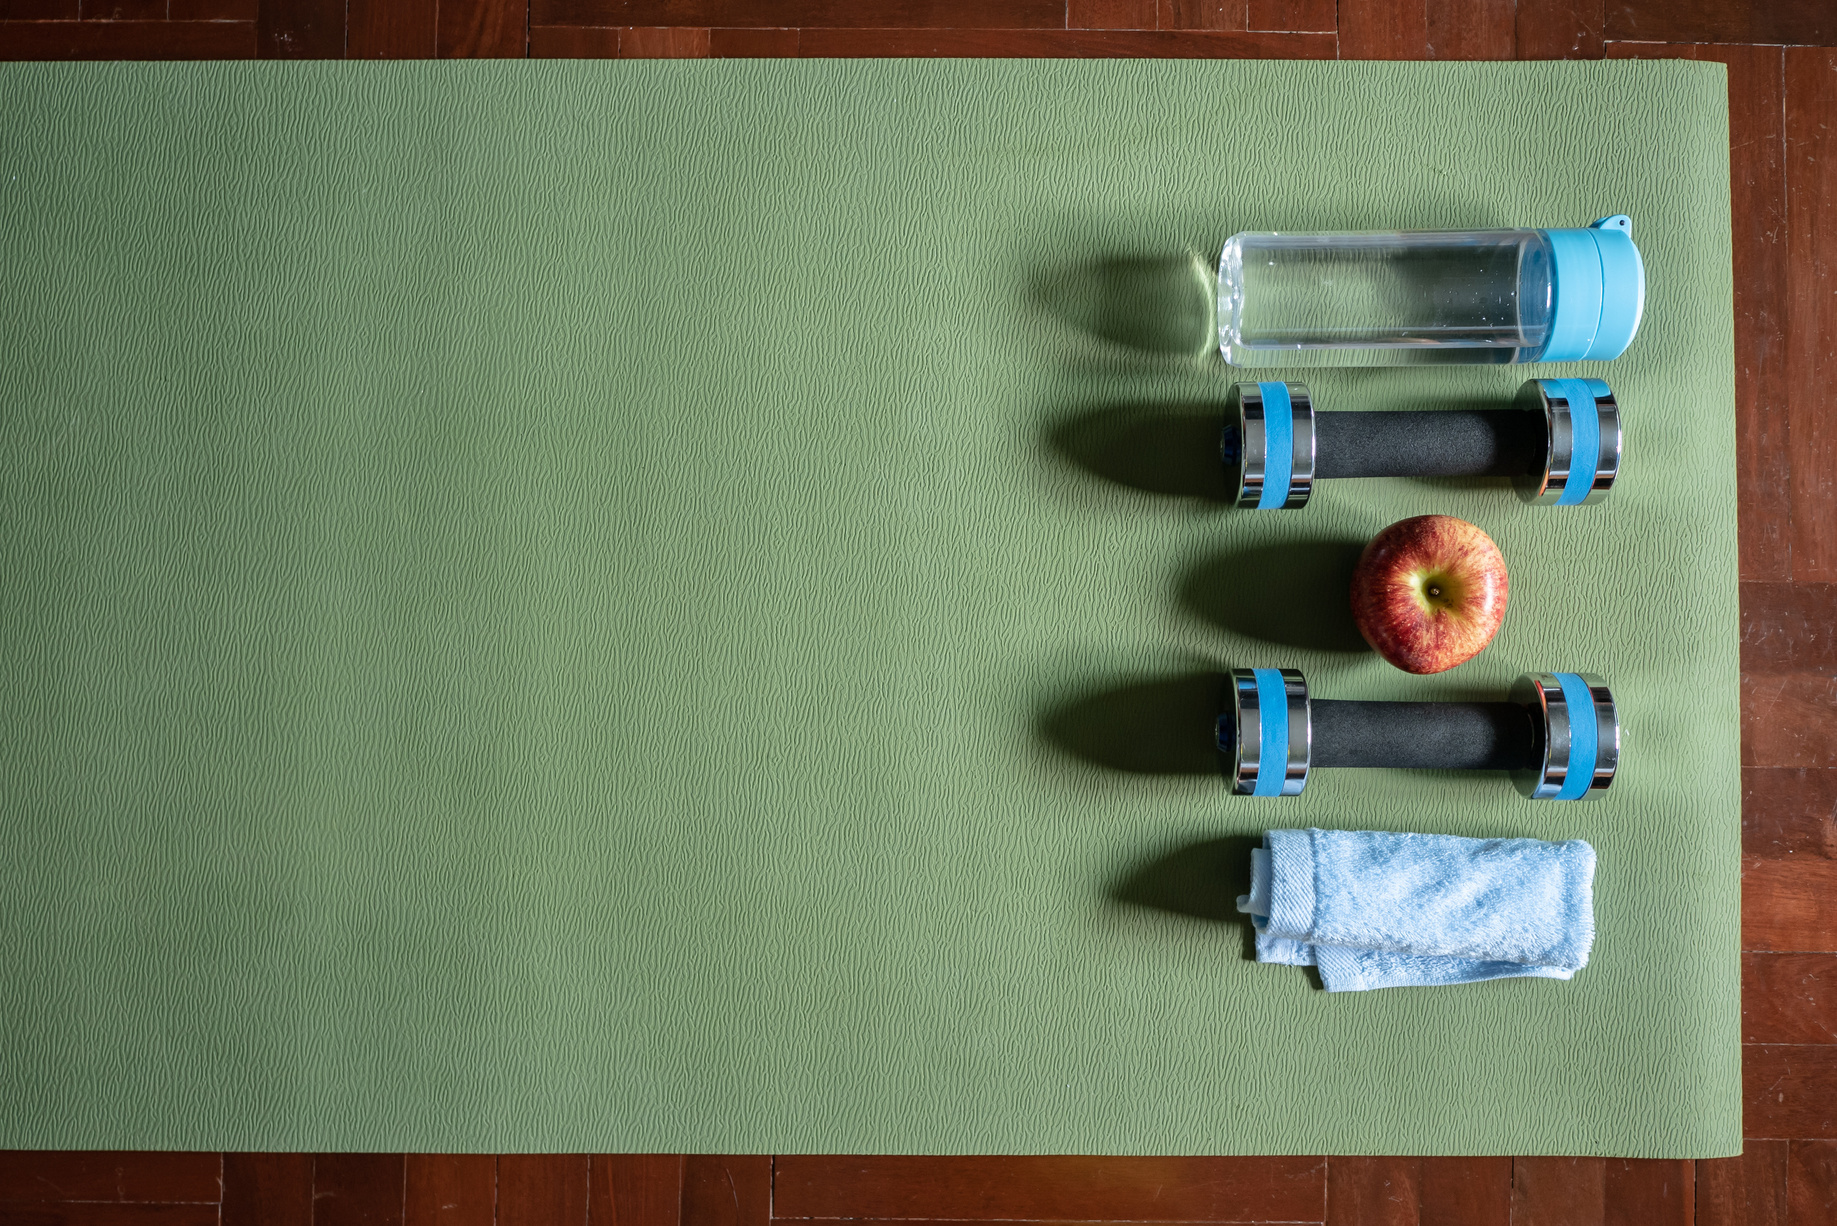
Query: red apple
[{"x": 1429, "y": 592}]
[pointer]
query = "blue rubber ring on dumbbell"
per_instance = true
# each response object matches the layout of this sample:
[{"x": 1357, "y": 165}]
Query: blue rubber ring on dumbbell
[
  {"x": 1278, "y": 460},
  {"x": 1584, "y": 736},
  {"x": 1272, "y": 722},
  {"x": 1584, "y": 437}
]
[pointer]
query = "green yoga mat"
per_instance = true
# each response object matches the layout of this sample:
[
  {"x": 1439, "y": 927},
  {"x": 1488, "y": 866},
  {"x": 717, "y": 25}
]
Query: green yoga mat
[{"x": 648, "y": 606}]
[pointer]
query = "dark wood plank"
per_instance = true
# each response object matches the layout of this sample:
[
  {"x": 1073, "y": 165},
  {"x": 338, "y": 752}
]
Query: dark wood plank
[
  {"x": 126, "y": 40},
  {"x": 635, "y": 1190},
  {"x": 1373, "y": 1191},
  {"x": 1057, "y": 1188},
  {"x": 1559, "y": 29},
  {"x": 542, "y": 1190},
  {"x": 752, "y": 44},
  {"x": 1472, "y": 29},
  {"x": 1749, "y": 1190},
  {"x": 1789, "y": 1092},
  {"x": 664, "y": 43},
  {"x": 1558, "y": 1191},
  {"x": 934, "y": 1221},
  {"x": 123, "y": 10},
  {"x": 1757, "y": 185},
  {"x": 166, "y": 1178},
  {"x": 39, "y": 10},
  {"x": 1466, "y": 1192},
  {"x": 267, "y": 1190},
  {"x": 105, "y": 1213},
  {"x": 1110, "y": 14},
  {"x": 1200, "y": 14},
  {"x": 358, "y": 1189},
  {"x": 1719, "y": 21},
  {"x": 959, "y": 14},
  {"x": 1649, "y": 1192},
  {"x": 573, "y": 43},
  {"x": 212, "y": 10},
  {"x": 300, "y": 29},
  {"x": 1788, "y": 811},
  {"x": 1383, "y": 29},
  {"x": 390, "y": 29},
  {"x": 727, "y": 1190},
  {"x": 482, "y": 29},
  {"x": 1058, "y": 44},
  {"x": 1789, "y": 906},
  {"x": 1321, "y": 16},
  {"x": 1811, "y": 1182},
  {"x": 1811, "y": 350},
  {"x": 450, "y": 1190},
  {"x": 1788, "y": 998},
  {"x": 1788, "y": 627},
  {"x": 1789, "y": 719}
]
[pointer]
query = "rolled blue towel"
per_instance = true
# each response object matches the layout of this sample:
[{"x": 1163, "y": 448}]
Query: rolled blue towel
[{"x": 1379, "y": 910}]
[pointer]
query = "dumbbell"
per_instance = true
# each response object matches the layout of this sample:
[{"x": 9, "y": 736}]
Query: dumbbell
[
  {"x": 1557, "y": 733},
  {"x": 1560, "y": 442}
]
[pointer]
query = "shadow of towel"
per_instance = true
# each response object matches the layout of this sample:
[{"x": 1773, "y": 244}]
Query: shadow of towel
[
  {"x": 1296, "y": 593},
  {"x": 1199, "y": 880},
  {"x": 1151, "y": 726},
  {"x": 1156, "y": 304},
  {"x": 1171, "y": 450}
]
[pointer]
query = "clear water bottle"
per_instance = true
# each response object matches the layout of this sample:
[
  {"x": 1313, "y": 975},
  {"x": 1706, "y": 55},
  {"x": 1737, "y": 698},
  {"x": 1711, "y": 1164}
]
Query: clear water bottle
[{"x": 1398, "y": 297}]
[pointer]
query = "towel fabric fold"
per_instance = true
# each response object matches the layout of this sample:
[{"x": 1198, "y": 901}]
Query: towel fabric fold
[{"x": 1377, "y": 910}]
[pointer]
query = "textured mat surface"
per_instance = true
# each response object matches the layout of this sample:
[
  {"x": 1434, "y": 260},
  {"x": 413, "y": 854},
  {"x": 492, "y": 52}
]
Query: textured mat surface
[{"x": 675, "y": 606}]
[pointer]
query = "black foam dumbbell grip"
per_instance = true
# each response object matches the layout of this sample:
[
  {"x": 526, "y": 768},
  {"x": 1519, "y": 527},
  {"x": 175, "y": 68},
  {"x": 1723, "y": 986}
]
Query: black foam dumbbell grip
[
  {"x": 1452, "y": 443},
  {"x": 1424, "y": 735}
]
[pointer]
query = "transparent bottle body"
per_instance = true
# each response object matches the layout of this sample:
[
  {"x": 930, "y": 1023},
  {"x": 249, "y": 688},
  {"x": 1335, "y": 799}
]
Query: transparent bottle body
[{"x": 1382, "y": 299}]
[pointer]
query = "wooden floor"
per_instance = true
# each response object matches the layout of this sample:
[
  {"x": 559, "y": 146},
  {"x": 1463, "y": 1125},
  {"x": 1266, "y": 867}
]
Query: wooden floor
[{"x": 1782, "y": 61}]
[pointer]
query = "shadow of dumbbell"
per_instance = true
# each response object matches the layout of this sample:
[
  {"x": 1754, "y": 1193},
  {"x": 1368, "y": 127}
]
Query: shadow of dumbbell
[
  {"x": 1146, "y": 726},
  {"x": 1171, "y": 450},
  {"x": 1295, "y": 594}
]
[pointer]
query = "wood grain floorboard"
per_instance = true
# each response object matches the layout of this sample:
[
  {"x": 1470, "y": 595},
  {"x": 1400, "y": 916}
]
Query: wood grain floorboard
[
  {"x": 1811, "y": 1182},
  {"x": 1383, "y": 30},
  {"x": 1202, "y": 15},
  {"x": 1649, "y": 1192},
  {"x": 1789, "y": 811},
  {"x": 635, "y": 1190},
  {"x": 1374, "y": 1191},
  {"x": 1067, "y": 1189},
  {"x": 127, "y": 40},
  {"x": 726, "y": 1190},
  {"x": 1559, "y": 1191},
  {"x": 1789, "y": 906},
  {"x": 1321, "y": 16},
  {"x": 105, "y": 1175},
  {"x": 1110, "y": 14},
  {"x": 1559, "y": 29},
  {"x": 1472, "y": 29},
  {"x": 39, "y": 10},
  {"x": 1748, "y": 1190},
  {"x": 542, "y": 1190},
  {"x": 1789, "y": 719},
  {"x": 390, "y": 29},
  {"x": 1811, "y": 358},
  {"x": 929, "y": 14},
  {"x": 106, "y": 1213},
  {"x": 752, "y": 44},
  {"x": 1465, "y": 1192},
  {"x": 450, "y": 1190},
  {"x": 267, "y": 1190},
  {"x": 1788, "y": 627},
  {"x": 664, "y": 43},
  {"x": 358, "y": 1189},
  {"x": 1066, "y": 44},
  {"x": 481, "y": 29},
  {"x": 300, "y": 29},
  {"x": 1789, "y": 1092},
  {"x": 1720, "y": 21},
  {"x": 1788, "y": 998}
]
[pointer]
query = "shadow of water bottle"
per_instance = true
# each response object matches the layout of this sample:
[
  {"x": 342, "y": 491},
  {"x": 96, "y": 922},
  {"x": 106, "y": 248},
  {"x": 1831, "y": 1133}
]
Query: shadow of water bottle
[{"x": 1165, "y": 305}]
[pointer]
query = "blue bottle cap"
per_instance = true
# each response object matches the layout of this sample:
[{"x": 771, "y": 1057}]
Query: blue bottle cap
[{"x": 1598, "y": 292}]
